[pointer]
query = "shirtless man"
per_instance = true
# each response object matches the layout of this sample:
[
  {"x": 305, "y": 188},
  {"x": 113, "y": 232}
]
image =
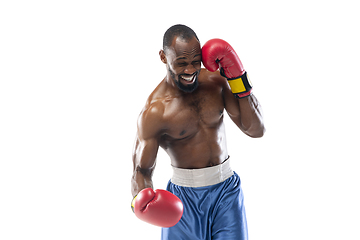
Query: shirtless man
[{"x": 184, "y": 115}]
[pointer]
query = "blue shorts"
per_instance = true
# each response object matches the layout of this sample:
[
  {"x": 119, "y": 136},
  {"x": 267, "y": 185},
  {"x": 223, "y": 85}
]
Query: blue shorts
[{"x": 211, "y": 212}]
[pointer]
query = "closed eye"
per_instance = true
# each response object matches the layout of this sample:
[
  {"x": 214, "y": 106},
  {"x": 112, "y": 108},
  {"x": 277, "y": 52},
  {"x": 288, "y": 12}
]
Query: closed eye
[{"x": 182, "y": 64}]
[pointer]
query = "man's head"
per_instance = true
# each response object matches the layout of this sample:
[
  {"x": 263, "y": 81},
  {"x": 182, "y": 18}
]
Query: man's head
[{"x": 182, "y": 55}]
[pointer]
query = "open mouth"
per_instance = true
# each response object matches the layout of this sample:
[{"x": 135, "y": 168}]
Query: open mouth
[{"x": 188, "y": 79}]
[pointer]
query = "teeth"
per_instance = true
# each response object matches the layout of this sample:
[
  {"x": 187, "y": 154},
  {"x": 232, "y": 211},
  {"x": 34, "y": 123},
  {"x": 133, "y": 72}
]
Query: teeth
[{"x": 189, "y": 79}]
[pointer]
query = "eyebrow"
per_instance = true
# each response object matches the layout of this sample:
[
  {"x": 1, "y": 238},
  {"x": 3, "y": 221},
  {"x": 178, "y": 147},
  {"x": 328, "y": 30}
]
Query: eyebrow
[{"x": 180, "y": 58}]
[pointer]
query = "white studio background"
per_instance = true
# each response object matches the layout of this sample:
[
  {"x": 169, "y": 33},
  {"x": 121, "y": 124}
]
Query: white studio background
[{"x": 76, "y": 74}]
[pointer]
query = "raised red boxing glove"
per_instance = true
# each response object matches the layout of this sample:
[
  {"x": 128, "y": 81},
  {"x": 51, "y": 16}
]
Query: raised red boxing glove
[
  {"x": 217, "y": 53},
  {"x": 160, "y": 207}
]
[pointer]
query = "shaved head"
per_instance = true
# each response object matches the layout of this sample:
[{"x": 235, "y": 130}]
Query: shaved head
[{"x": 182, "y": 31}]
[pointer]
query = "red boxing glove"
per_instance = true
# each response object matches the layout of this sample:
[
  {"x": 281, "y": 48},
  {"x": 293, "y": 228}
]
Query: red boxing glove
[
  {"x": 160, "y": 208},
  {"x": 218, "y": 53}
]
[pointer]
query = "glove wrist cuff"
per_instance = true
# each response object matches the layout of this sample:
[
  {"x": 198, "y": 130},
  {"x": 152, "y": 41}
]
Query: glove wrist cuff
[
  {"x": 133, "y": 204},
  {"x": 241, "y": 86}
]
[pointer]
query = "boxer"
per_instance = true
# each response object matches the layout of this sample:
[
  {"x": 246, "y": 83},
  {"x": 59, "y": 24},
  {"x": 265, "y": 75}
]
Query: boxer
[{"x": 184, "y": 115}]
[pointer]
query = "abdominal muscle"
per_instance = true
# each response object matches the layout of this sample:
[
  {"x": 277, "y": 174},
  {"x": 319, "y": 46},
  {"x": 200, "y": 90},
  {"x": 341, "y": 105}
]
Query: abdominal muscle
[{"x": 204, "y": 148}]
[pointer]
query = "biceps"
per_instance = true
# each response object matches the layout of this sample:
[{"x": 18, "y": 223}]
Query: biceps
[{"x": 145, "y": 153}]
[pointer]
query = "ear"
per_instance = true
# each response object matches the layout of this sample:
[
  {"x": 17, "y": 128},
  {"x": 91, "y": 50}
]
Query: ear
[{"x": 162, "y": 56}]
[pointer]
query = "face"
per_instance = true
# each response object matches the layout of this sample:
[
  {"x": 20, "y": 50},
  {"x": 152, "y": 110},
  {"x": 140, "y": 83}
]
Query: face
[{"x": 183, "y": 60}]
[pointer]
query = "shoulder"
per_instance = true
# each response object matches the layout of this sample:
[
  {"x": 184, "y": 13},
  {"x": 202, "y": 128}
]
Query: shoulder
[
  {"x": 213, "y": 80},
  {"x": 152, "y": 111},
  {"x": 212, "y": 77},
  {"x": 150, "y": 121}
]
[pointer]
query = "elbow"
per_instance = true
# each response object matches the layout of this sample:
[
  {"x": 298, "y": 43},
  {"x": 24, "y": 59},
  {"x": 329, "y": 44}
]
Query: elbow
[{"x": 257, "y": 132}]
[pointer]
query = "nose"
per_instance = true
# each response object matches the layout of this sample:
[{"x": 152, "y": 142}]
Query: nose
[{"x": 189, "y": 69}]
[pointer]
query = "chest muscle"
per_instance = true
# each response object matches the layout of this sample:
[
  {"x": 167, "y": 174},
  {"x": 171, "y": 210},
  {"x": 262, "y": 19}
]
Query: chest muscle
[{"x": 187, "y": 116}]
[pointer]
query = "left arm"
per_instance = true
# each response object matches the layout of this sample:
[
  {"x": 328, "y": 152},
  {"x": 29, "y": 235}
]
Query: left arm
[
  {"x": 246, "y": 113},
  {"x": 241, "y": 105}
]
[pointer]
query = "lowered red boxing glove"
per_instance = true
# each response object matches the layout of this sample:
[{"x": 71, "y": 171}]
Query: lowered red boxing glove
[
  {"x": 159, "y": 207},
  {"x": 217, "y": 53}
]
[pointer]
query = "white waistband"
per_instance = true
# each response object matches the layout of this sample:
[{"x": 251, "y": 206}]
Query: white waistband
[{"x": 202, "y": 177}]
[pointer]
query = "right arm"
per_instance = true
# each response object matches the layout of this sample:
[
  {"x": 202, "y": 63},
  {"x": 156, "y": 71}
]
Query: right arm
[
  {"x": 146, "y": 147},
  {"x": 157, "y": 207}
]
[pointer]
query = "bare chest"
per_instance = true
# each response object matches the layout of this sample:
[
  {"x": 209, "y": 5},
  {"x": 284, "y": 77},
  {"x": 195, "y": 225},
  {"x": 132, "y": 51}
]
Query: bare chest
[{"x": 186, "y": 116}]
